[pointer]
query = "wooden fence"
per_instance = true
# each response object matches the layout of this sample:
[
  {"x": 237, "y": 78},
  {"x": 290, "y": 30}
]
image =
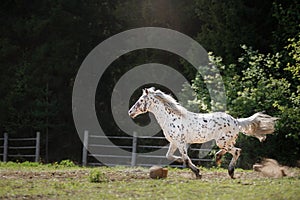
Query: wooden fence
[
  {"x": 16, "y": 147},
  {"x": 134, "y": 147}
]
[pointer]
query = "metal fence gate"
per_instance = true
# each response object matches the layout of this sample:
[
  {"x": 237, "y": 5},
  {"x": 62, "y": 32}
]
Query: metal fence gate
[
  {"x": 14, "y": 148},
  {"x": 94, "y": 151}
]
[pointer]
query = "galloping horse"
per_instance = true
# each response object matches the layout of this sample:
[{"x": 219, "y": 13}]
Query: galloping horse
[{"x": 182, "y": 127}]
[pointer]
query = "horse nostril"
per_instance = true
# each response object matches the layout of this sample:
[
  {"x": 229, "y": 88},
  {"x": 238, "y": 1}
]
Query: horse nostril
[{"x": 130, "y": 113}]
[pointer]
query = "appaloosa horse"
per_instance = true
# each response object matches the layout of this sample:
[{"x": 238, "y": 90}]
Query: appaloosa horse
[{"x": 182, "y": 127}]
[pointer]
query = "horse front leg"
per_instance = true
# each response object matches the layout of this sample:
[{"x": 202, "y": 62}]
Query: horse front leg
[
  {"x": 235, "y": 152},
  {"x": 170, "y": 154},
  {"x": 188, "y": 161}
]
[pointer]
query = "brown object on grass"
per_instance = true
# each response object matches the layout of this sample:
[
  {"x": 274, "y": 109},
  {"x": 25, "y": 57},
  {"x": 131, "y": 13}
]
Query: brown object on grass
[
  {"x": 157, "y": 172},
  {"x": 270, "y": 168}
]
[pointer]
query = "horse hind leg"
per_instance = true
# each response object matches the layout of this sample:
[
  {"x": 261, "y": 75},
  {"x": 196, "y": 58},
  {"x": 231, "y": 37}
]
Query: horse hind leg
[
  {"x": 235, "y": 152},
  {"x": 219, "y": 156}
]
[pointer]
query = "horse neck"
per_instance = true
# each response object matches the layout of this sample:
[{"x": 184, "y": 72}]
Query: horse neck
[{"x": 160, "y": 112}]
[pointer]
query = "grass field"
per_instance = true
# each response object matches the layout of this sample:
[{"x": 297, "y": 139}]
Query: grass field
[{"x": 67, "y": 181}]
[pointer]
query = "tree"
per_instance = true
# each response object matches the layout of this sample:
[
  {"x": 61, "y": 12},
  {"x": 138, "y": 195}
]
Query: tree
[
  {"x": 259, "y": 88},
  {"x": 224, "y": 25},
  {"x": 257, "y": 80},
  {"x": 42, "y": 46}
]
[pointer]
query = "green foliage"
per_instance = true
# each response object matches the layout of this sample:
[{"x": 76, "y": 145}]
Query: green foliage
[
  {"x": 61, "y": 165},
  {"x": 43, "y": 43},
  {"x": 19, "y": 164},
  {"x": 258, "y": 87},
  {"x": 287, "y": 16},
  {"x": 128, "y": 183},
  {"x": 67, "y": 163},
  {"x": 262, "y": 86},
  {"x": 257, "y": 81},
  {"x": 18, "y": 114},
  {"x": 293, "y": 109},
  {"x": 209, "y": 88},
  {"x": 227, "y": 24},
  {"x": 95, "y": 176}
]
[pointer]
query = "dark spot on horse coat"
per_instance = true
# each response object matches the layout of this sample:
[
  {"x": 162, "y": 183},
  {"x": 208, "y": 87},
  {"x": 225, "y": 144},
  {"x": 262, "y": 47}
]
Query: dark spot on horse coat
[
  {"x": 205, "y": 120},
  {"x": 236, "y": 153}
]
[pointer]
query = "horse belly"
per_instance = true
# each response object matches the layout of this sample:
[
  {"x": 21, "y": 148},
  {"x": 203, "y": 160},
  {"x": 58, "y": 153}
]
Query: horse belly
[
  {"x": 198, "y": 136},
  {"x": 197, "y": 140}
]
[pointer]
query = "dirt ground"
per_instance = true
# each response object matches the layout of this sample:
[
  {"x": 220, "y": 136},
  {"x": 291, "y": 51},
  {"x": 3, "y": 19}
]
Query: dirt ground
[
  {"x": 30, "y": 183},
  {"x": 122, "y": 174}
]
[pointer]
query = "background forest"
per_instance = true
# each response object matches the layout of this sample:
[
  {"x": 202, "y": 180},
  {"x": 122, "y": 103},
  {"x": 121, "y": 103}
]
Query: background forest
[{"x": 255, "y": 44}]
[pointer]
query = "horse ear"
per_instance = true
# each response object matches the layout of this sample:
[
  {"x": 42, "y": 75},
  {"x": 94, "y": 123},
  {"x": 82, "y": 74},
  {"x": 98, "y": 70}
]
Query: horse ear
[
  {"x": 152, "y": 88},
  {"x": 146, "y": 91}
]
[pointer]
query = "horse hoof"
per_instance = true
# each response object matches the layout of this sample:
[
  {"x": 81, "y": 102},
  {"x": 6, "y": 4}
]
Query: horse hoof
[
  {"x": 199, "y": 176},
  {"x": 231, "y": 175}
]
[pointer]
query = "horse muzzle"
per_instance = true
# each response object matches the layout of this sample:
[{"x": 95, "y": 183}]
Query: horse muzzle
[{"x": 132, "y": 114}]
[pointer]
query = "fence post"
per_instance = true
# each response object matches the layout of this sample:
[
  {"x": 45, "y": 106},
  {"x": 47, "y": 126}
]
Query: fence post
[
  {"x": 134, "y": 146},
  {"x": 5, "y": 147},
  {"x": 85, "y": 147},
  {"x": 37, "y": 147}
]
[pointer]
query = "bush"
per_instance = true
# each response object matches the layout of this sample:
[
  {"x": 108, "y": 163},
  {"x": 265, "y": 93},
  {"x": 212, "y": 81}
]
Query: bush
[
  {"x": 262, "y": 82},
  {"x": 96, "y": 176},
  {"x": 67, "y": 163}
]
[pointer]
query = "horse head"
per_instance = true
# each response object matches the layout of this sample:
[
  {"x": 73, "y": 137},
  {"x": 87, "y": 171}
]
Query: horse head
[{"x": 142, "y": 105}]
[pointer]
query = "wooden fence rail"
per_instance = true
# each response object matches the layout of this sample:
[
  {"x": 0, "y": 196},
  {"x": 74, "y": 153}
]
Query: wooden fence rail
[
  {"x": 21, "y": 147},
  {"x": 133, "y": 159}
]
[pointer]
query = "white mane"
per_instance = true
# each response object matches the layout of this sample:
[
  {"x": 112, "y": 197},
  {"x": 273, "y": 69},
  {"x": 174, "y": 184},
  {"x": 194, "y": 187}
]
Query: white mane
[{"x": 169, "y": 102}]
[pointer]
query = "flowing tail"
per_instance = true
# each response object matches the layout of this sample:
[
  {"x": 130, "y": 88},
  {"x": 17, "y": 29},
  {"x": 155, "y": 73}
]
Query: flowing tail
[{"x": 258, "y": 125}]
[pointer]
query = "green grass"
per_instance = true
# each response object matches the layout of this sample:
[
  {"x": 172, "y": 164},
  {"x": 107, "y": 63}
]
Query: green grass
[{"x": 67, "y": 181}]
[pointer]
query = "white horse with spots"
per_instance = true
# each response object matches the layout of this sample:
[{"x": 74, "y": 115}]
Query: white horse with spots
[{"x": 182, "y": 127}]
